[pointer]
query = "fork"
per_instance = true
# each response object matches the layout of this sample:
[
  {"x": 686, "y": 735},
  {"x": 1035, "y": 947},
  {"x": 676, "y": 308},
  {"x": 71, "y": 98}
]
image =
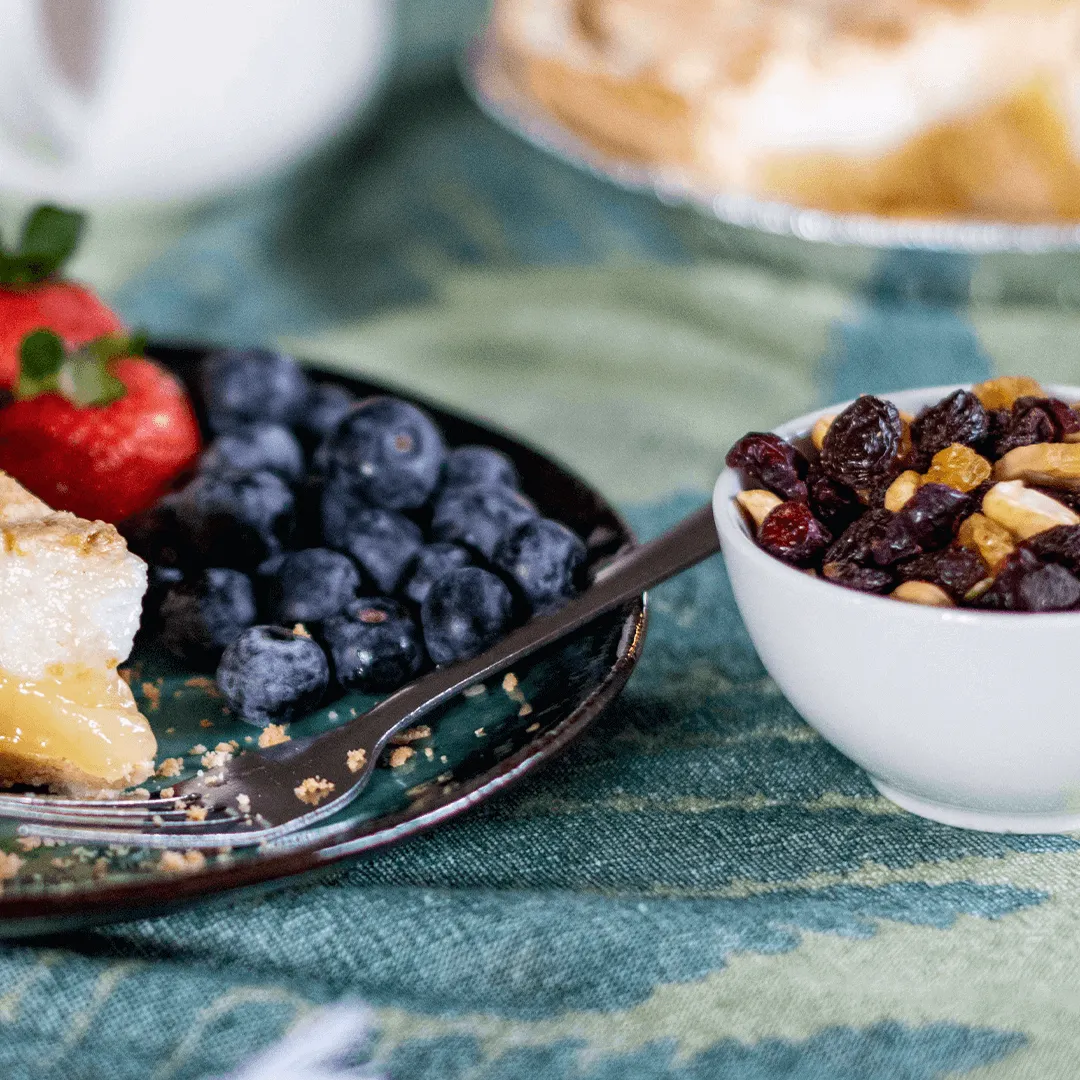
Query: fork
[{"x": 261, "y": 797}]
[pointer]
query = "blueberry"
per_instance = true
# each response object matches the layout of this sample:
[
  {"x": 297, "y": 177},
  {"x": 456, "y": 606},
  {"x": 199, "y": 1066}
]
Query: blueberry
[
  {"x": 465, "y": 611},
  {"x": 383, "y": 543},
  {"x": 480, "y": 517},
  {"x": 545, "y": 559},
  {"x": 375, "y": 645},
  {"x": 326, "y": 408},
  {"x": 269, "y": 674},
  {"x": 252, "y": 386},
  {"x": 312, "y": 585},
  {"x": 387, "y": 451},
  {"x": 432, "y": 562},
  {"x": 200, "y": 618},
  {"x": 254, "y": 448},
  {"x": 478, "y": 465},
  {"x": 339, "y": 505},
  {"x": 235, "y": 519}
]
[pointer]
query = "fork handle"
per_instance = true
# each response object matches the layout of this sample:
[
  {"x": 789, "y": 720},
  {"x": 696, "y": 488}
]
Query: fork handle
[{"x": 693, "y": 540}]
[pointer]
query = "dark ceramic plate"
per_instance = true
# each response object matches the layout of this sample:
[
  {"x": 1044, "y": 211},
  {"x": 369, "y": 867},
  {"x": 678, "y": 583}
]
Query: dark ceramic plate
[{"x": 478, "y": 744}]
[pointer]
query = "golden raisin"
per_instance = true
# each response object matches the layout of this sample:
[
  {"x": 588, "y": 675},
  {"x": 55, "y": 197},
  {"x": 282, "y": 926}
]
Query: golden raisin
[
  {"x": 820, "y": 430},
  {"x": 1000, "y": 393},
  {"x": 959, "y": 467},
  {"x": 992, "y": 541}
]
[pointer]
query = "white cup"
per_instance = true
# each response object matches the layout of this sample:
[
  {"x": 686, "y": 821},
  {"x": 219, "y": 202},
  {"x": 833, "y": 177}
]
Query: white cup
[{"x": 163, "y": 99}]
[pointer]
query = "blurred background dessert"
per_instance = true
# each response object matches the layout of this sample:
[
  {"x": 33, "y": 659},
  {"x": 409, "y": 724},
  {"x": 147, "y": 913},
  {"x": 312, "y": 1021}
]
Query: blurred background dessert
[{"x": 904, "y": 108}]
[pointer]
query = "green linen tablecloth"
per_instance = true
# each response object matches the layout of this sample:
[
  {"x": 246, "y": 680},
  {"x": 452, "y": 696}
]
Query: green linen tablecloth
[{"x": 701, "y": 887}]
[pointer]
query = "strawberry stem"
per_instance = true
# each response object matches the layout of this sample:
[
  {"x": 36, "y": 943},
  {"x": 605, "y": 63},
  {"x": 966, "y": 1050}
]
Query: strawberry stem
[{"x": 83, "y": 376}]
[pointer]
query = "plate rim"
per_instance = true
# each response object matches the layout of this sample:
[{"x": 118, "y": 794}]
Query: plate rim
[
  {"x": 30, "y": 914},
  {"x": 497, "y": 96}
]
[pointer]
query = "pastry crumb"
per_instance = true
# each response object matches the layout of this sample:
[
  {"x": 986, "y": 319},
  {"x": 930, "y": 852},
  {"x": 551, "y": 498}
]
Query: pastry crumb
[
  {"x": 196, "y": 813},
  {"x": 152, "y": 693},
  {"x": 421, "y": 731},
  {"x": 243, "y": 803},
  {"x": 214, "y": 759},
  {"x": 331, "y": 715},
  {"x": 300, "y": 630},
  {"x": 356, "y": 760},
  {"x": 204, "y": 723},
  {"x": 399, "y": 755},
  {"x": 198, "y": 748},
  {"x": 140, "y": 793},
  {"x": 475, "y": 690},
  {"x": 479, "y": 732},
  {"x": 125, "y": 673},
  {"x": 273, "y": 735},
  {"x": 28, "y": 843},
  {"x": 429, "y": 753},
  {"x": 9, "y": 865},
  {"x": 531, "y": 728},
  {"x": 171, "y": 766},
  {"x": 167, "y": 792},
  {"x": 510, "y": 682},
  {"x": 313, "y": 790},
  {"x": 178, "y": 862},
  {"x": 525, "y": 709},
  {"x": 201, "y": 682}
]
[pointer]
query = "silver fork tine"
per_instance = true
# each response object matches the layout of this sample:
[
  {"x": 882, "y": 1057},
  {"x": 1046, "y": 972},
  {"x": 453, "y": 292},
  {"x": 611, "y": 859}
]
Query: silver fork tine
[
  {"x": 169, "y": 836},
  {"x": 31, "y": 799}
]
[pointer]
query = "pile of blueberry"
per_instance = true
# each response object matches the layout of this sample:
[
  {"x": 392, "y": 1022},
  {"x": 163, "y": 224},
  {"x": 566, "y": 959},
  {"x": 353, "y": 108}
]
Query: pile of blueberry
[
  {"x": 329, "y": 540},
  {"x": 973, "y": 503}
]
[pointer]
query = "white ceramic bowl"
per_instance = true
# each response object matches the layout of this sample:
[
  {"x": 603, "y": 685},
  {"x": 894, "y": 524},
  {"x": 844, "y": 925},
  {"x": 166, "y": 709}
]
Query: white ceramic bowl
[{"x": 966, "y": 717}]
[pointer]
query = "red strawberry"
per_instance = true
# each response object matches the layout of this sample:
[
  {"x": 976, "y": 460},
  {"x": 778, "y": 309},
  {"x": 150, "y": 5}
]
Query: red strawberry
[
  {"x": 31, "y": 297},
  {"x": 99, "y": 432}
]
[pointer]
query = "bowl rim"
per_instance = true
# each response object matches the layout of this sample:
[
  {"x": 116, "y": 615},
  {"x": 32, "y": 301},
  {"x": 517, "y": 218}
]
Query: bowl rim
[{"x": 734, "y": 535}]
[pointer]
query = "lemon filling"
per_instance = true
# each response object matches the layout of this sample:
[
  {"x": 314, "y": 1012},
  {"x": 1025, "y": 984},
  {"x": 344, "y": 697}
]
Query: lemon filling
[{"x": 75, "y": 725}]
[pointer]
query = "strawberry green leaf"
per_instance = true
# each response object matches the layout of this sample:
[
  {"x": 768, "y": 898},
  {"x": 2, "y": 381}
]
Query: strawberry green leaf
[
  {"x": 49, "y": 238},
  {"x": 41, "y": 356},
  {"x": 84, "y": 377}
]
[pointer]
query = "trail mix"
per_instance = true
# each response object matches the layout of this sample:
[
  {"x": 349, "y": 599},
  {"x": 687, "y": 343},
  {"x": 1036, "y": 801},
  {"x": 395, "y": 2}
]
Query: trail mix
[{"x": 973, "y": 503}]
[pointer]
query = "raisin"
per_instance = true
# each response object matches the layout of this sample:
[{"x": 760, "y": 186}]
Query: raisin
[
  {"x": 856, "y": 543},
  {"x": 862, "y": 442},
  {"x": 851, "y": 575},
  {"x": 960, "y": 418},
  {"x": 959, "y": 467},
  {"x": 792, "y": 533},
  {"x": 927, "y": 522},
  {"x": 1059, "y": 545},
  {"x": 956, "y": 570},
  {"x": 1061, "y": 417},
  {"x": 770, "y": 462},
  {"x": 835, "y": 505},
  {"x": 1026, "y": 583},
  {"x": 1000, "y": 393},
  {"x": 1029, "y": 423},
  {"x": 873, "y": 495}
]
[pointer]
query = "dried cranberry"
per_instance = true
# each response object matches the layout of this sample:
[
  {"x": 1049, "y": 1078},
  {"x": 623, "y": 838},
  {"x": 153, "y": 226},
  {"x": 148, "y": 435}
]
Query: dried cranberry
[
  {"x": 851, "y": 575},
  {"x": 1025, "y": 583},
  {"x": 766, "y": 459},
  {"x": 856, "y": 543},
  {"x": 1066, "y": 422},
  {"x": 959, "y": 418},
  {"x": 956, "y": 570},
  {"x": 927, "y": 522},
  {"x": 1059, "y": 545},
  {"x": 862, "y": 442},
  {"x": 835, "y": 505},
  {"x": 792, "y": 533},
  {"x": 1030, "y": 422}
]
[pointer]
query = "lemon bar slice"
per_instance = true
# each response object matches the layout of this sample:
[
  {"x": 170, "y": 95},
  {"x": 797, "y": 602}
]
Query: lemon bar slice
[{"x": 70, "y": 600}]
